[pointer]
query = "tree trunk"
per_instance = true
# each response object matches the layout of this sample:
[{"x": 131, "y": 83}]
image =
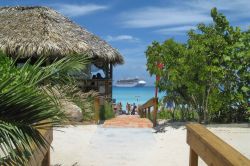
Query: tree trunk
[
  {"x": 206, "y": 106},
  {"x": 205, "y": 116},
  {"x": 197, "y": 109}
]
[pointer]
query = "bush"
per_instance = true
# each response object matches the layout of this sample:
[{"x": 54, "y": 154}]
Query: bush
[
  {"x": 178, "y": 114},
  {"x": 84, "y": 100},
  {"x": 106, "y": 111}
]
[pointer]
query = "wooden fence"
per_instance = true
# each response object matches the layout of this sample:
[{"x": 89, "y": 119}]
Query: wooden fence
[
  {"x": 145, "y": 110},
  {"x": 211, "y": 149}
]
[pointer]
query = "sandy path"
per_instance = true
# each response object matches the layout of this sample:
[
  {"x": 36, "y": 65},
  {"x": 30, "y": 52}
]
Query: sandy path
[
  {"x": 96, "y": 146},
  {"x": 70, "y": 144},
  {"x": 171, "y": 146}
]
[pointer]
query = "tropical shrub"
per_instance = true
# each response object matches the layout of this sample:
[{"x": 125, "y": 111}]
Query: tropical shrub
[
  {"x": 27, "y": 100},
  {"x": 86, "y": 102},
  {"x": 179, "y": 113},
  {"x": 106, "y": 111}
]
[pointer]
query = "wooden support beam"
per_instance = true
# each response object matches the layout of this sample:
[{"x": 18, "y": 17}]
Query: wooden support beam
[
  {"x": 193, "y": 158},
  {"x": 149, "y": 115},
  {"x": 111, "y": 78},
  {"x": 42, "y": 156},
  {"x": 46, "y": 160},
  {"x": 106, "y": 82},
  {"x": 97, "y": 109}
]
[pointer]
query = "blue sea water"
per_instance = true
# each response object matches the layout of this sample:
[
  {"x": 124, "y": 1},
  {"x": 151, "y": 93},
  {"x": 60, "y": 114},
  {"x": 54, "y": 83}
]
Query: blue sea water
[{"x": 137, "y": 95}]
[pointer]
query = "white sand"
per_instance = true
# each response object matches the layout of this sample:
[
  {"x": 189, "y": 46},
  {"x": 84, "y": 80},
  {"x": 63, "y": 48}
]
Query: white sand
[
  {"x": 70, "y": 144},
  {"x": 93, "y": 145},
  {"x": 172, "y": 148}
]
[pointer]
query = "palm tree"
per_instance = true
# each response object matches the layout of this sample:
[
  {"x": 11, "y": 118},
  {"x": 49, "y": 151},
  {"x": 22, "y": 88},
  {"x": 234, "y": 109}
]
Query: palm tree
[{"x": 27, "y": 100}]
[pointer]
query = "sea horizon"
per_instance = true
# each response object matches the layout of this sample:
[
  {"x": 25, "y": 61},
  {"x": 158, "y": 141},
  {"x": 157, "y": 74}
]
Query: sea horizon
[{"x": 137, "y": 95}]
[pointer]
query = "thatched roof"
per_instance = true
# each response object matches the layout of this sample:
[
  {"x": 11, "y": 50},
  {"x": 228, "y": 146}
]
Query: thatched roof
[{"x": 41, "y": 31}]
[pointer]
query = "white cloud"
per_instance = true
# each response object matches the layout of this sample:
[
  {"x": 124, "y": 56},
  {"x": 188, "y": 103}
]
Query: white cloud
[
  {"x": 159, "y": 16},
  {"x": 235, "y": 8},
  {"x": 122, "y": 38},
  {"x": 178, "y": 30},
  {"x": 79, "y": 10},
  {"x": 184, "y": 13}
]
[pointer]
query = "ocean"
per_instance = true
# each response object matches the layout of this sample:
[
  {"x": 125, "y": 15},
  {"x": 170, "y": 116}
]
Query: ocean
[{"x": 137, "y": 95}]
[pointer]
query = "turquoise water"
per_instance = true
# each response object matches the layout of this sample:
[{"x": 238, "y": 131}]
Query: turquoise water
[{"x": 137, "y": 95}]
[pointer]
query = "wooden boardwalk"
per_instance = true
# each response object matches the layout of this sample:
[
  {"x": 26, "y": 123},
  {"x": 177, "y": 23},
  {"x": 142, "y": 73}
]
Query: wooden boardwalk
[{"x": 128, "y": 121}]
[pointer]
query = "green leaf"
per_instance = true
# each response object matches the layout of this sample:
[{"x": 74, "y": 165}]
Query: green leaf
[{"x": 245, "y": 89}]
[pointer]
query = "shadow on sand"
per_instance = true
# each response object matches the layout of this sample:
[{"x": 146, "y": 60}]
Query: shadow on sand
[
  {"x": 161, "y": 127},
  {"x": 162, "y": 124}
]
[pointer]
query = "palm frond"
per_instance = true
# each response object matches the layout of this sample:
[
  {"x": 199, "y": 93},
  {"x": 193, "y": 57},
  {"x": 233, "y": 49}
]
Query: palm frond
[{"x": 25, "y": 104}]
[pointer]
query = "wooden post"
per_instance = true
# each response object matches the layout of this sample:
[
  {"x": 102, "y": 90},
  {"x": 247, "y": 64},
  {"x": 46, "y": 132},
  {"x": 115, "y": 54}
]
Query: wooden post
[
  {"x": 46, "y": 160},
  {"x": 111, "y": 78},
  {"x": 149, "y": 117},
  {"x": 155, "y": 111},
  {"x": 97, "y": 109},
  {"x": 193, "y": 158},
  {"x": 106, "y": 88}
]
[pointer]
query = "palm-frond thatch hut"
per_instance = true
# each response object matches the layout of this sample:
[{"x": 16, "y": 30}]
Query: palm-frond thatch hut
[{"x": 32, "y": 32}]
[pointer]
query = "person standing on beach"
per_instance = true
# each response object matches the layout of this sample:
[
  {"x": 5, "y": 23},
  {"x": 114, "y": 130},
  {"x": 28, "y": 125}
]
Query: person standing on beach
[
  {"x": 133, "y": 109},
  {"x": 115, "y": 109},
  {"x": 128, "y": 108},
  {"x": 119, "y": 107}
]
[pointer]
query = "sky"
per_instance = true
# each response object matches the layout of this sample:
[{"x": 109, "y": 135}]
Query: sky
[{"x": 131, "y": 25}]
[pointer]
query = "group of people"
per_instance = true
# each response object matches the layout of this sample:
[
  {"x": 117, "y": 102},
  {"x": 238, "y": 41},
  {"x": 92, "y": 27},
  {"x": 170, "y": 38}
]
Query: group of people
[
  {"x": 130, "y": 109},
  {"x": 97, "y": 76}
]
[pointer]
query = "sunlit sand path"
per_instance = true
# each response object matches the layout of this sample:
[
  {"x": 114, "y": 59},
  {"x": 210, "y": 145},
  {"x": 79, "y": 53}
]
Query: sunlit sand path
[
  {"x": 128, "y": 121},
  {"x": 93, "y": 145}
]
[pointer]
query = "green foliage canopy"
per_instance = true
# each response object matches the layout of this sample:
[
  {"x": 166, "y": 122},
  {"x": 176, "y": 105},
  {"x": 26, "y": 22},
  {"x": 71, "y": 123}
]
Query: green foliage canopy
[{"x": 210, "y": 72}]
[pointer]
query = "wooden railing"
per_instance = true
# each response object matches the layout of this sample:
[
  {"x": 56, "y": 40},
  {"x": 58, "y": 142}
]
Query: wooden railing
[
  {"x": 97, "y": 109},
  {"x": 211, "y": 148},
  {"x": 145, "y": 110}
]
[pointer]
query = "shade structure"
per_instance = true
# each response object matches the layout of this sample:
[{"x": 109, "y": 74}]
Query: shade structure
[{"x": 41, "y": 31}]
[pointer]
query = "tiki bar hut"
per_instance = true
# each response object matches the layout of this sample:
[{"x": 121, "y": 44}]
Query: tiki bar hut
[{"x": 32, "y": 32}]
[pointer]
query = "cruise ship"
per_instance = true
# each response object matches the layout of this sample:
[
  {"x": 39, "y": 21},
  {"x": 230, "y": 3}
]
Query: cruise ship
[{"x": 130, "y": 82}]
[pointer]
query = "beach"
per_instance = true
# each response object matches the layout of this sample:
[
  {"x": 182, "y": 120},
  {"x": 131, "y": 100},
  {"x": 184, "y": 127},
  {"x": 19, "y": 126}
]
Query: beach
[
  {"x": 117, "y": 83},
  {"x": 93, "y": 145}
]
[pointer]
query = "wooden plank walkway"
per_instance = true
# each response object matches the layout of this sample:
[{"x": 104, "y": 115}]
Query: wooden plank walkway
[{"x": 128, "y": 121}]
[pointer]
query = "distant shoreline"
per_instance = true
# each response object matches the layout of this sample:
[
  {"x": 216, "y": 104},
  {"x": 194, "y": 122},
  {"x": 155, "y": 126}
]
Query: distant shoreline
[{"x": 134, "y": 87}]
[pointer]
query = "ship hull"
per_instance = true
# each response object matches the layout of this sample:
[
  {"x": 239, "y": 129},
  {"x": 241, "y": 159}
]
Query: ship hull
[{"x": 130, "y": 83}]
